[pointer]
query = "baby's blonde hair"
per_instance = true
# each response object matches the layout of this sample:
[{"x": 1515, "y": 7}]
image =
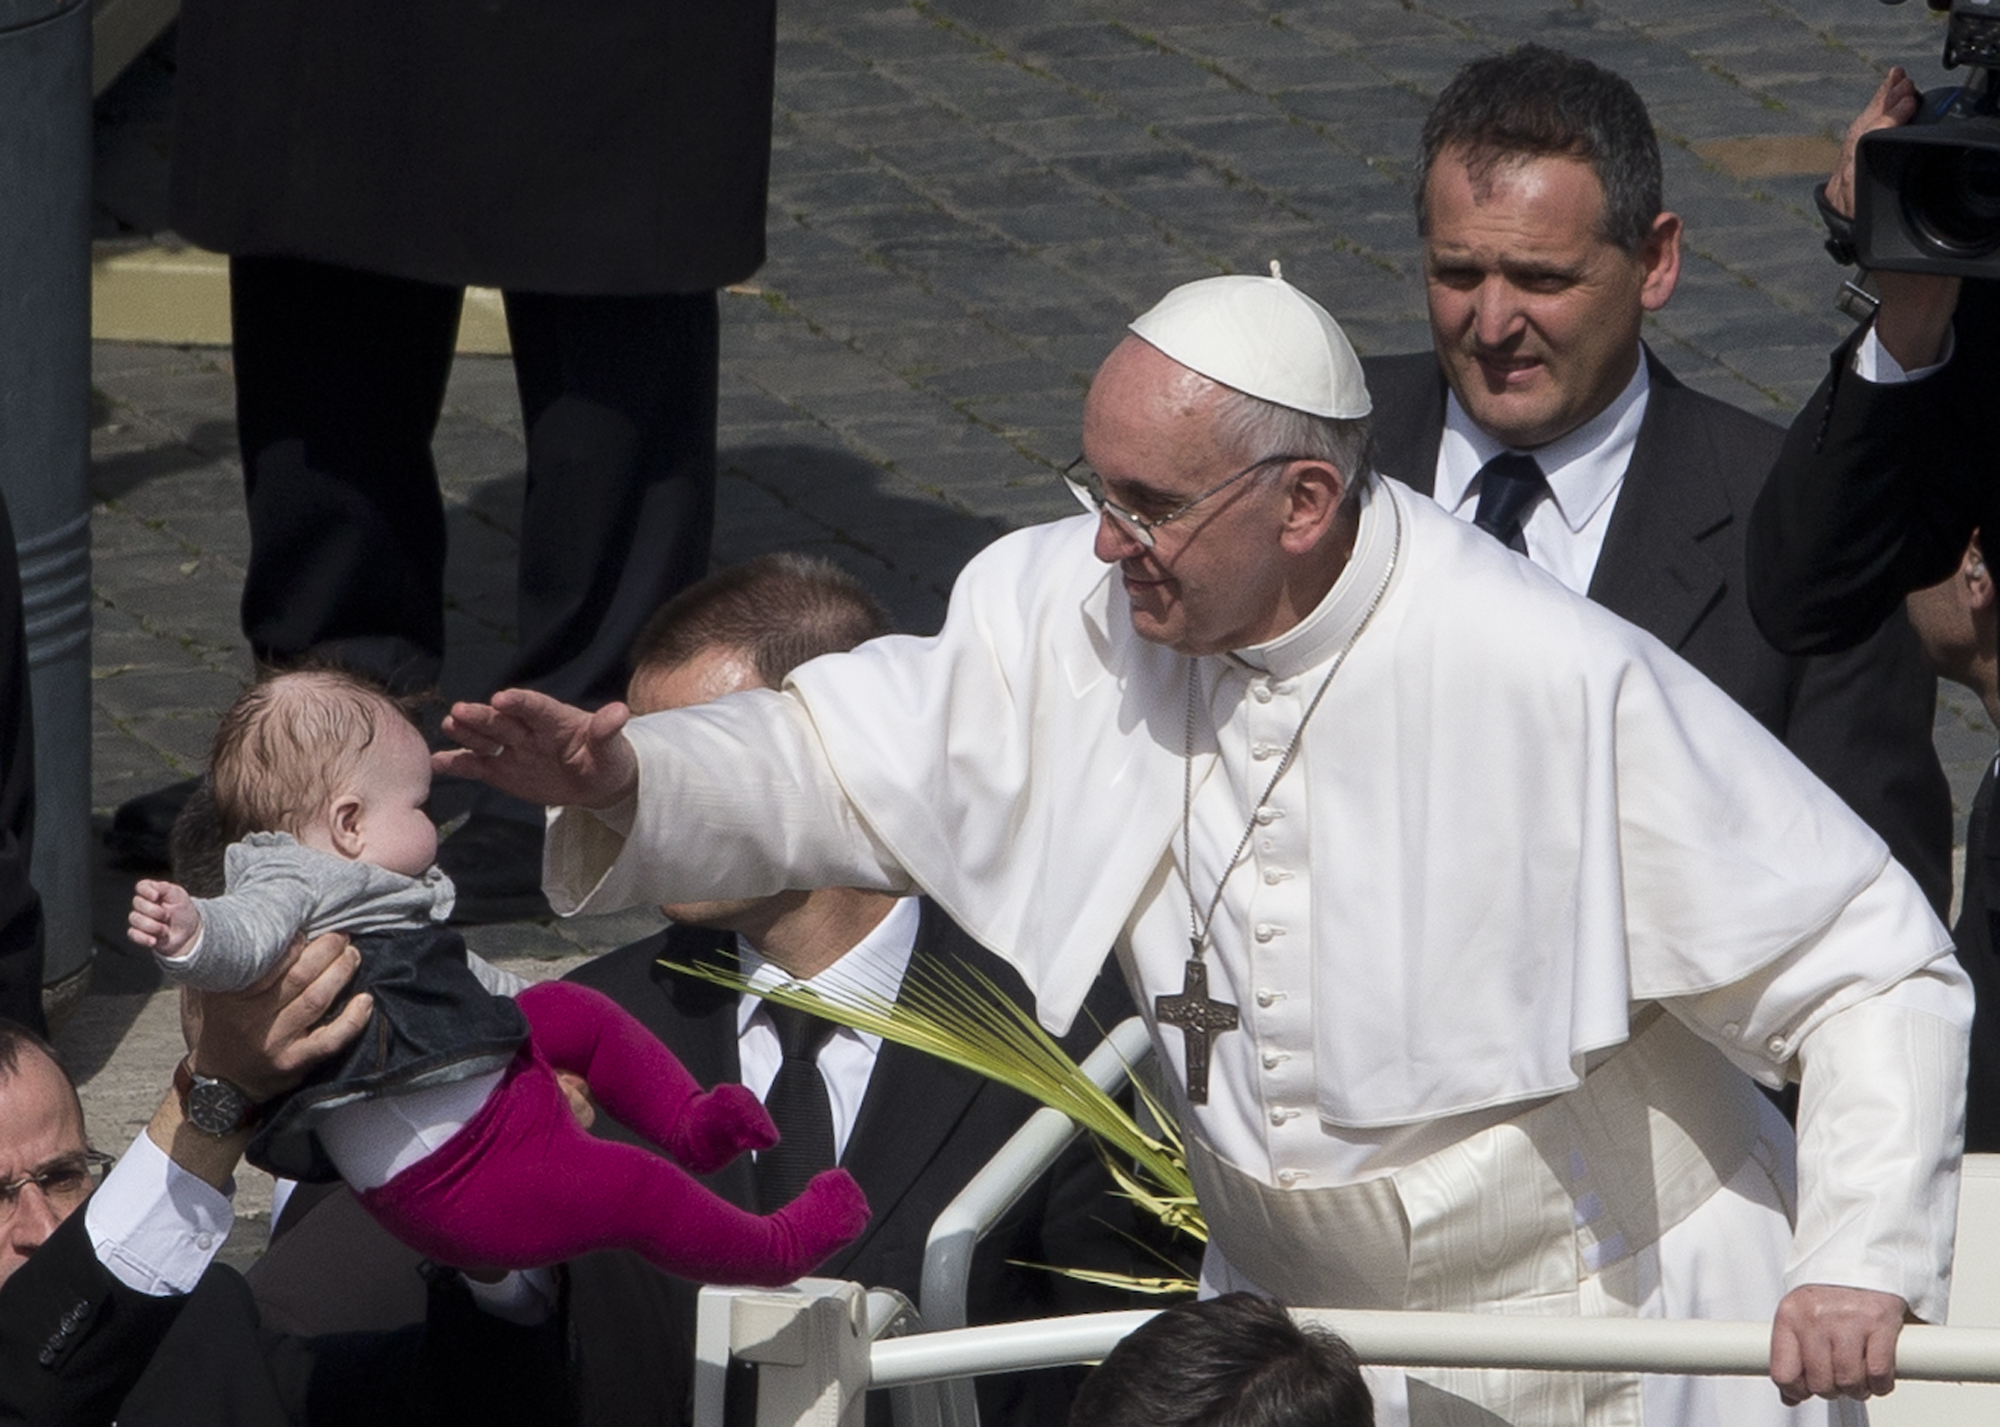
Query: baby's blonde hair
[{"x": 290, "y": 744}]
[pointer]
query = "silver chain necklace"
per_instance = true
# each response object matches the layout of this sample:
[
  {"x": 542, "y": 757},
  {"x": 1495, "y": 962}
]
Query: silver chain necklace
[{"x": 1199, "y": 1017}]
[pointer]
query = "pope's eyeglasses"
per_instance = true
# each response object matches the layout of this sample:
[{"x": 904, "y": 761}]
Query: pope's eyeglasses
[
  {"x": 1088, "y": 487},
  {"x": 65, "y": 1184}
]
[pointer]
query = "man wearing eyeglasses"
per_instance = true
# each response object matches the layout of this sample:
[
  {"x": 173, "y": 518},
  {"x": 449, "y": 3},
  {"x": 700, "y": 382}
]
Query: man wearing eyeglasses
[
  {"x": 1546, "y": 248},
  {"x": 1465, "y": 913},
  {"x": 109, "y": 1305}
]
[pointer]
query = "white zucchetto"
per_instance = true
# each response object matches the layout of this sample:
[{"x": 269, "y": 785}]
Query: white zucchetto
[{"x": 1263, "y": 337}]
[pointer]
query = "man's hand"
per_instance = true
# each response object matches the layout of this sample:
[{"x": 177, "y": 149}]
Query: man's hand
[
  {"x": 1915, "y": 316},
  {"x": 576, "y": 1090},
  {"x": 163, "y": 917},
  {"x": 1835, "y": 1342},
  {"x": 261, "y": 1040},
  {"x": 1894, "y": 104},
  {"x": 547, "y": 752},
  {"x": 266, "y": 1038}
]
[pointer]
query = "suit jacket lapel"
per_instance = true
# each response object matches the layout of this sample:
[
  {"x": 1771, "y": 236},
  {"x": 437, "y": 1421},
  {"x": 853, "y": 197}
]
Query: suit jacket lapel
[
  {"x": 1409, "y": 394},
  {"x": 913, "y": 1104},
  {"x": 1654, "y": 569},
  {"x": 703, "y": 1017}
]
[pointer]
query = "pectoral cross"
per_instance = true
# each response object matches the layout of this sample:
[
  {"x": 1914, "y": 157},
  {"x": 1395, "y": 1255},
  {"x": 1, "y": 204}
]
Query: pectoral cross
[{"x": 1199, "y": 1018}]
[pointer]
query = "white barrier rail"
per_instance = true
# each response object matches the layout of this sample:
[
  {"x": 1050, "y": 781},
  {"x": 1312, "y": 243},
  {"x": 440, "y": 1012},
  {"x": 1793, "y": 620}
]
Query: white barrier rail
[
  {"x": 984, "y": 1201},
  {"x": 1404, "y": 1339},
  {"x": 989, "y": 1194}
]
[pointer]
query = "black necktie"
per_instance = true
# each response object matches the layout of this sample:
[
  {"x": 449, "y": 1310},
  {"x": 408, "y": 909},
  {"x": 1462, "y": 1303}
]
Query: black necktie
[
  {"x": 799, "y": 1107},
  {"x": 1508, "y": 485}
]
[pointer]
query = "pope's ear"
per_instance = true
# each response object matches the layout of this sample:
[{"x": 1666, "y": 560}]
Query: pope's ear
[{"x": 1317, "y": 492}]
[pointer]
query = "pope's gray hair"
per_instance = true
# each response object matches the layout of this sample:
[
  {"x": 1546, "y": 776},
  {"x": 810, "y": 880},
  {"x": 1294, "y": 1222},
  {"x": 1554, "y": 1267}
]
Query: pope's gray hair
[{"x": 1254, "y": 427}]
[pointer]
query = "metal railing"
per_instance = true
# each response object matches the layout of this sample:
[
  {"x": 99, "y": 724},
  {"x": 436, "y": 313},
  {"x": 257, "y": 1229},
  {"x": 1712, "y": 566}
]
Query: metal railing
[{"x": 1686, "y": 1347}]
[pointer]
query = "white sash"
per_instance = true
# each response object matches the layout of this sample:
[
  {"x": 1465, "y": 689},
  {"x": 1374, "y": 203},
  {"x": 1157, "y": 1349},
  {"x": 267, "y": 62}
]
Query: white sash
[{"x": 1542, "y": 1214}]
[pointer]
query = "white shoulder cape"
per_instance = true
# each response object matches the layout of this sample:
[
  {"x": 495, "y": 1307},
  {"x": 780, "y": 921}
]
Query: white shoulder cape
[{"x": 1546, "y": 817}]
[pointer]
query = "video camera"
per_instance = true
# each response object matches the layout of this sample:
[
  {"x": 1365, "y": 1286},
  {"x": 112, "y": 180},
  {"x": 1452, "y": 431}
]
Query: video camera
[{"x": 1927, "y": 195}]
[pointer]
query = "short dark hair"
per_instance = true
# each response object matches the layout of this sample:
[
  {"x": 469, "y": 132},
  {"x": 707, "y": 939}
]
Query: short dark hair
[
  {"x": 778, "y": 610},
  {"x": 197, "y": 845},
  {"x": 15, "y": 1038},
  {"x": 1234, "y": 1361},
  {"x": 1537, "y": 102}
]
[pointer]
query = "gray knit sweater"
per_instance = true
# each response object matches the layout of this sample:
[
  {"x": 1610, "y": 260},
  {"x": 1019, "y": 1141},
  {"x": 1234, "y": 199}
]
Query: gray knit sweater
[{"x": 279, "y": 890}]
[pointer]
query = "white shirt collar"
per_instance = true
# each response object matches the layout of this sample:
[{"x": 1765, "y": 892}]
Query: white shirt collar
[
  {"x": 1317, "y": 637},
  {"x": 1584, "y": 468},
  {"x": 872, "y": 969}
]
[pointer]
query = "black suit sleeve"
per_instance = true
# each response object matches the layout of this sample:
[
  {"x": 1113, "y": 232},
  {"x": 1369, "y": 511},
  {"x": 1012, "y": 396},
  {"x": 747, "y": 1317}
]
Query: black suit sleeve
[
  {"x": 73, "y": 1339},
  {"x": 78, "y": 1349},
  {"x": 1861, "y": 720},
  {"x": 1876, "y": 492}
]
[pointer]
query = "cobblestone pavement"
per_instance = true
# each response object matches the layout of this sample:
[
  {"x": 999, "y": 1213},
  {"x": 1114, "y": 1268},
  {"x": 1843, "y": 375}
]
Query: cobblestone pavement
[{"x": 969, "y": 198}]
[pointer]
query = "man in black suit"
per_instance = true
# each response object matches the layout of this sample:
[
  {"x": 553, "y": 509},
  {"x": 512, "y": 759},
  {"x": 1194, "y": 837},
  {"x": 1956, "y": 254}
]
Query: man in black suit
[
  {"x": 1545, "y": 245},
  {"x": 117, "y": 1311},
  {"x": 605, "y": 166},
  {"x": 1886, "y": 486},
  {"x": 911, "y": 1129}
]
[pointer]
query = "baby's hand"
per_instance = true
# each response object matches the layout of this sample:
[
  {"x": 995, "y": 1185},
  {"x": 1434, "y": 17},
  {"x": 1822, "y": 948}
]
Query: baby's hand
[{"x": 163, "y": 917}]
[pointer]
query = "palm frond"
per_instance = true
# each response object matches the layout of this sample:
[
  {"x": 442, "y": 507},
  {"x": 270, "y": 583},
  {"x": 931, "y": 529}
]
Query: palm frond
[{"x": 961, "y": 1016}]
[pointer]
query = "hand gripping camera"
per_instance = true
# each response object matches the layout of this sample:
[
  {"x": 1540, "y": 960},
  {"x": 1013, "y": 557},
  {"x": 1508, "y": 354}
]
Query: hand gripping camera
[{"x": 1927, "y": 195}]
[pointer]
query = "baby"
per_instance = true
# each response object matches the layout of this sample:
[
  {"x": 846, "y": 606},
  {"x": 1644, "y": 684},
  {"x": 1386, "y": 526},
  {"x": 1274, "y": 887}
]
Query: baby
[{"x": 446, "y": 1116}]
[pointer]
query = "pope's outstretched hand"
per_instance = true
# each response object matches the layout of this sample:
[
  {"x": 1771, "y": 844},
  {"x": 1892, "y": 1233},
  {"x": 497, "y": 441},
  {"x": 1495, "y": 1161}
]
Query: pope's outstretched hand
[{"x": 540, "y": 749}]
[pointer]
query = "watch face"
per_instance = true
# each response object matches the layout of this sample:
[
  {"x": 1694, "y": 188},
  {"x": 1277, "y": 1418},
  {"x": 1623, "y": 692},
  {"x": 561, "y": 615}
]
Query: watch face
[{"x": 216, "y": 1106}]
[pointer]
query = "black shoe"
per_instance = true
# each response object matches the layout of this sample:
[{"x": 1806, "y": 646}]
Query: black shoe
[
  {"x": 496, "y": 864},
  {"x": 141, "y": 828}
]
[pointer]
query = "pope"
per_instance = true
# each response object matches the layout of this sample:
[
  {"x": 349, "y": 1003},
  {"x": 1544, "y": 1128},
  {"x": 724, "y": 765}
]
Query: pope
[{"x": 1467, "y": 915}]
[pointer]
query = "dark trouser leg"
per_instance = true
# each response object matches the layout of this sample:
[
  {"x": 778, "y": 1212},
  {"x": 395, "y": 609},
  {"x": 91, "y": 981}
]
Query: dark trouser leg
[
  {"x": 618, "y": 399},
  {"x": 340, "y": 377},
  {"x": 20, "y": 904}
]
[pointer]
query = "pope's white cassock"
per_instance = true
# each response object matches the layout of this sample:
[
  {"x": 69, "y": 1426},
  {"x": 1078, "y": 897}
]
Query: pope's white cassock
[{"x": 1522, "y": 843}]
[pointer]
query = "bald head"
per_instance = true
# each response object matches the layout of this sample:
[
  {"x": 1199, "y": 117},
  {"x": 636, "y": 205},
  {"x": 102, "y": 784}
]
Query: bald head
[{"x": 41, "y": 1128}]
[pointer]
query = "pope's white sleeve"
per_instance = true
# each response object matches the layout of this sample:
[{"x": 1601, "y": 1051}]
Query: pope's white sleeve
[
  {"x": 153, "y": 1225},
  {"x": 1881, "y": 1121},
  {"x": 736, "y": 799}
]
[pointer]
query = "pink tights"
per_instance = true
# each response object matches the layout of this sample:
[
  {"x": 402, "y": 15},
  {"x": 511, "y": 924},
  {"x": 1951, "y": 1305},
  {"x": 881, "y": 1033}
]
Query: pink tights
[{"x": 522, "y": 1184}]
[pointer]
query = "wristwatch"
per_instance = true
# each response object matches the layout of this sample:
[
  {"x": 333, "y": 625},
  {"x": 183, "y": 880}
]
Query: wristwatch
[{"x": 214, "y": 1107}]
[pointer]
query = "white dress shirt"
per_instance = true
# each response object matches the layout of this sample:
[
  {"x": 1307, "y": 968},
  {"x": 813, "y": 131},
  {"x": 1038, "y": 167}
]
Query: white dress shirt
[
  {"x": 1873, "y": 362},
  {"x": 157, "y": 1228},
  {"x": 872, "y": 972},
  {"x": 1585, "y": 471}
]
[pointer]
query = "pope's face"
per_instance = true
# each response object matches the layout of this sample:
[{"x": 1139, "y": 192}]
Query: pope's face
[
  {"x": 1534, "y": 314},
  {"x": 1212, "y": 580}
]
